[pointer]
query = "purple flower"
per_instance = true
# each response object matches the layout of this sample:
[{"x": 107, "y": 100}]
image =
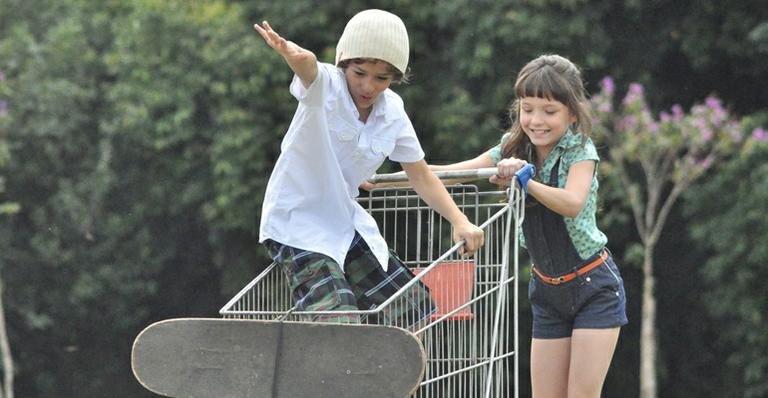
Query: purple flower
[
  {"x": 719, "y": 113},
  {"x": 653, "y": 126},
  {"x": 714, "y": 103},
  {"x": 677, "y": 112},
  {"x": 734, "y": 129},
  {"x": 627, "y": 123},
  {"x": 608, "y": 85},
  {"x": 707, "y": 161},
  {"x": 604, "y": 107},
  {"x": 760, "y": 134},
  {"x": 705, "y": 131},
  {"x": 3, "y": 108},
  {"x": 635, "y": 93}
]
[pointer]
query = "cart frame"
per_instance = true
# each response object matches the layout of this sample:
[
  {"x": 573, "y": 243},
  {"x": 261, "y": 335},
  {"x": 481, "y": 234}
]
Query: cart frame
[{"x": 472, "y": 343}]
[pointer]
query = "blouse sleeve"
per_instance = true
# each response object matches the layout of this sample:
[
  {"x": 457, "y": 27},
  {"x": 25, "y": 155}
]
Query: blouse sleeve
[
  {"x": 495, "y": 152},
  {"x": 577, "y": 153}
]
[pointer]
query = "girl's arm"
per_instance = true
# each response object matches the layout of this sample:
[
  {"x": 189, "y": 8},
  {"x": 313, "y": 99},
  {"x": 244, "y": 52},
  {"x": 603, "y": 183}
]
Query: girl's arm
[
  {"x": 436, "y": 196},
  {"x": 506, "y": 167},
  {"x": 483, "y": 160},
  {"x": 302, "y": 62},
  {"x": 570, "y": 200}
]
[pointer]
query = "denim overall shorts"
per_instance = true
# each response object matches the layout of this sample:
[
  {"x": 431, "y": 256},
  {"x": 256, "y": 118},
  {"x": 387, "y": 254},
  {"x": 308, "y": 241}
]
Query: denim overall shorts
[{"x": 567, "y": 292}]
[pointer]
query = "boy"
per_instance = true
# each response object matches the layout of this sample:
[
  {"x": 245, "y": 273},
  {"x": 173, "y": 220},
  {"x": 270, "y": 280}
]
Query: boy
[{"x": 347, "y": 122}]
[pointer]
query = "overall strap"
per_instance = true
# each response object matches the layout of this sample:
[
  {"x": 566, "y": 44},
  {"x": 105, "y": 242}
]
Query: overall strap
[{"x": 546, "y": 236}]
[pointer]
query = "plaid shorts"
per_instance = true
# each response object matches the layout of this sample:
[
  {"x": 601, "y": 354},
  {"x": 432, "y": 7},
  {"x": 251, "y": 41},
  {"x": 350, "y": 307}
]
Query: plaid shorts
[{"x": 318, "y": 284}]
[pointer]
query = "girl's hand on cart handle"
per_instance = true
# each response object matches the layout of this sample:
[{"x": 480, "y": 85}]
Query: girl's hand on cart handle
[
  {"x": 506, "y": 169},
  {"x": 524, "y": 175},
  {"x": 471, "y": 234}
]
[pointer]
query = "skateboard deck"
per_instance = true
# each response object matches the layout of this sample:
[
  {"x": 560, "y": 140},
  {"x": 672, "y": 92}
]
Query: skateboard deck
[{"x": 199, "y": 357}]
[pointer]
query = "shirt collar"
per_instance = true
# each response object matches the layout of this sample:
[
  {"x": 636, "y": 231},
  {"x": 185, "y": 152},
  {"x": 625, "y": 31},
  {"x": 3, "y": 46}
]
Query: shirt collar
[
  {"x": 383, "y": 107},
  {"x": 568, "y": 140}
]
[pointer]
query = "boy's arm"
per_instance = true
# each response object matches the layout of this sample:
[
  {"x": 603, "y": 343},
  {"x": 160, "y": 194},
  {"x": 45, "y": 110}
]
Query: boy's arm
[
  {"x": 303, "y": 62},
  {"x": 434, "y": 193}
]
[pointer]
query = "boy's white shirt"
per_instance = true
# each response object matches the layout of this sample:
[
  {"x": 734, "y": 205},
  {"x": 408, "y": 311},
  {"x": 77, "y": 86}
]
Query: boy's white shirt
[{"x": 325, "y": 155}]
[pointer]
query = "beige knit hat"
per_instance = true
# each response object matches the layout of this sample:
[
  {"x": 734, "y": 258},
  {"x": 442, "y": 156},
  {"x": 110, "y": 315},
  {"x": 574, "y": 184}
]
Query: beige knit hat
[{"x": 375, "y": 34}]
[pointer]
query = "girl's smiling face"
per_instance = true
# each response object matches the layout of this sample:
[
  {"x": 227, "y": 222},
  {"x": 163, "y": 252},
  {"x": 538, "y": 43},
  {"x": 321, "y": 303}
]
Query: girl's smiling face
[
  {"x": 365, "y": 82},
  {"x": 544, "y": 121}
]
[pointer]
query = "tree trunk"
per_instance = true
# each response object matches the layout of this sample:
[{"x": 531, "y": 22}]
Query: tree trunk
[
  {"x": 648, "y": 385},
  {"x": 5, "y": 352}
]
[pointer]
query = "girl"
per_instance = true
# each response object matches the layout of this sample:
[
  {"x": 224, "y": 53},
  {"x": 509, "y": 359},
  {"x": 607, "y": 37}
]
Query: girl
[
  {"x": 576, "y": 291},
  {"x": 347, "y": 122}
]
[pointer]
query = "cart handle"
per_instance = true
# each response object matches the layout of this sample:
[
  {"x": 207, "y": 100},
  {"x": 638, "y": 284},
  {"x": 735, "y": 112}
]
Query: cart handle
[{"x": 463, "y": 175}]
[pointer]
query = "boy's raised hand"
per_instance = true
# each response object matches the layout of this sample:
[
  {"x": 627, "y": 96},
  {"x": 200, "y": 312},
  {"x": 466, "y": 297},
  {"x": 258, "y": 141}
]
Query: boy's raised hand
[
  {"x": 303, "y": 62},
  {"x": 288, "y": 49}
]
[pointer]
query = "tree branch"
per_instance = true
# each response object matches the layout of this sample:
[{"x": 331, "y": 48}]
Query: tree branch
[{"x": 5, "y": 351}]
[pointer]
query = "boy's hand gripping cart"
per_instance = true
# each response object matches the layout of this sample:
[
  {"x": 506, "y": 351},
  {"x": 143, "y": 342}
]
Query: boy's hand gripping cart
[{"x": 468, "y": 348}]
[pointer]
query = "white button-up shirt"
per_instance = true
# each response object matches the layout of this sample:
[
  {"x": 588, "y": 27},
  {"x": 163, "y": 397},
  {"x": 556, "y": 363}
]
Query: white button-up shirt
[{"x": 325, "y": 156}]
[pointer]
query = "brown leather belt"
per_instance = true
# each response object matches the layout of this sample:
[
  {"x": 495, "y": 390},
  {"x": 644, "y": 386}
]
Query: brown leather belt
[{"x": 569, "y": 277}]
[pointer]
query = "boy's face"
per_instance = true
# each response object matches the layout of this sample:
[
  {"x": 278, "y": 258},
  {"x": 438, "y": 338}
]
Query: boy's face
[{"x": 366, "y": 81}]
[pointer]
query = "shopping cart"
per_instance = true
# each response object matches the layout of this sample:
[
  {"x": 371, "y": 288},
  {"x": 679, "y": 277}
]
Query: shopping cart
[{"x": 471, "y": 342}]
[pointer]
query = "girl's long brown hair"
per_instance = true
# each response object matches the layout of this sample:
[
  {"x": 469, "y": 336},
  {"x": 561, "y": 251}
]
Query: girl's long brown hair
[{"x": 555, "y": 78}]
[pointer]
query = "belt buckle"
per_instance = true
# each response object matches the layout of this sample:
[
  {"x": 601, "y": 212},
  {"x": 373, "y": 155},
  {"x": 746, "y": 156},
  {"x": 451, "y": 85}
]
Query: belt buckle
[{"x": 558, "y": 280}]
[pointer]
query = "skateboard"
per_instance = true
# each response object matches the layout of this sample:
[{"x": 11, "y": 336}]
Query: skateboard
[{"x": 201, "y": 357}]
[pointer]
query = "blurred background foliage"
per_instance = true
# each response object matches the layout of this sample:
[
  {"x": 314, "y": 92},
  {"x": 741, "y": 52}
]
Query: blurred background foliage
[{"x": 136, "y": 138}]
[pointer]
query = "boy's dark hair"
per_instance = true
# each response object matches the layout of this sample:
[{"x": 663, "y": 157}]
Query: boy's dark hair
[{"x": 398, "y": 77}]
